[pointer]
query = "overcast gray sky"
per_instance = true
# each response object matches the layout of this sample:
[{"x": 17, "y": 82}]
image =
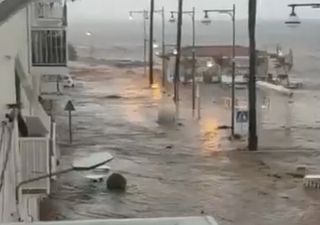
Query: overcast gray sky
[{"x": 118, "y": 9}]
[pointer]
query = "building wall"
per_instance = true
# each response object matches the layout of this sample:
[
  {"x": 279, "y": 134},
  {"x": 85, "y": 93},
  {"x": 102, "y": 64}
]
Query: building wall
[
  {"x": 13, "y": 43},
  {"x": 52, "y": 20}
]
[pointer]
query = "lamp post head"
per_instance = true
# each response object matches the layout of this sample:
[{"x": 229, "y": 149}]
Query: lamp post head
[
  {"x": 206, "y": 19},
  {"x": 175, "y": 52},
  {"x": 172, "y": 18},
  {"x": 146, "y": 15},
  {"x": 130, "y": 16},
  {"x": 210, "y": 64},
  {"x": 293, "y": 20}
]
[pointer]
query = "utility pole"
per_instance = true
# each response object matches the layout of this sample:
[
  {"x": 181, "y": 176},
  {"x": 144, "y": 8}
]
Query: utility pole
[
  {"x": 233, "y": 68},
  {"x": 193, "y": 59},
  {"x": 253, "y": 138},
  {"x": 145, "y": 38},
  {"x": 151, "y": 43},
  {"x": 145, "y": 41},
  {"x": 177, "y": 66},
  {"x": 163, "y": 48},
  {"x": 178, "y": 46}
]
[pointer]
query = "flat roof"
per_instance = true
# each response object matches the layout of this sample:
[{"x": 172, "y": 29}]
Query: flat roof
[{"x": 205, "y": 220}]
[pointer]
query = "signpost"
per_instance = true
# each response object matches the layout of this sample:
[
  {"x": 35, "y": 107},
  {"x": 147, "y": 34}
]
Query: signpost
[
  {"x": 69, "y": 107},
  {"x": 242, "y": 119}
]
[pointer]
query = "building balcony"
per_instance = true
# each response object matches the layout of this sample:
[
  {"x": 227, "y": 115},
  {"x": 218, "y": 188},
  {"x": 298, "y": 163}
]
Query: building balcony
[
  {"x": 37, "y": 151},
  {"x": 34, "y": 158},
  {"x": 49, "y": 48},
  {"x": 50, "y": 13},
  {"x": 51, "y": 84}
]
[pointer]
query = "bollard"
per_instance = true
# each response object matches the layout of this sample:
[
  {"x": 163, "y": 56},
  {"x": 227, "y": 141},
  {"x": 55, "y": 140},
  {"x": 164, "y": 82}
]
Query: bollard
[{"x": 199, "y": 101}]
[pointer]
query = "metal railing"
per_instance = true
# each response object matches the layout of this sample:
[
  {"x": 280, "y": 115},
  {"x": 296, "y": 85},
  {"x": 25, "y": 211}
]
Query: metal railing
[
  {"x": 49, "y": 9},
  {"x": 34, "y": 158},
  {"x": 51, "y": 84},
  {"x": 49, "y": 47}
]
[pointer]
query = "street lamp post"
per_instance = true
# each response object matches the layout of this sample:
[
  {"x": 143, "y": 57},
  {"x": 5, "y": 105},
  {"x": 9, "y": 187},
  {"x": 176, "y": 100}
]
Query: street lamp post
[
  {"x": 293, "y": 19},
  {"x": 144, "y": 14},
  {"x": 145, "y": 18},
  {"x": 253, "y": 137},
  {"x": 172, "y": 20},
  {"x": 90, "y": 36},
  {"x": 207, "y": 21},
  {"x": 151, "y": 43},
  {"x": 162, "y": 13},
  {"x": 163, "y": 47}
]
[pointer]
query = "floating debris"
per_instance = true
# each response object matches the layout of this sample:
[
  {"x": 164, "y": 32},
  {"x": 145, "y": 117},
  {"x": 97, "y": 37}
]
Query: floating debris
[
  {"x": 116, "y": 182},
  {"x": 113, "y": 97},
  {"x": 223, "y": 127},
  {"x": 95, "y": 177},
  {"x": 169, "y": 146}
]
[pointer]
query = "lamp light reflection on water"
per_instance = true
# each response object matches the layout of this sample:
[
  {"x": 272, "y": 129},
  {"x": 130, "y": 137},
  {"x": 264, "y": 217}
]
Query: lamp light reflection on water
[
  {"x": 210, "y": 137},
  {"x": 156, "y": 91}
]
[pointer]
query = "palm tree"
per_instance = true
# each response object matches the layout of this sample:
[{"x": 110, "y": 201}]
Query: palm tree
[{"x": 253, "y": 139}]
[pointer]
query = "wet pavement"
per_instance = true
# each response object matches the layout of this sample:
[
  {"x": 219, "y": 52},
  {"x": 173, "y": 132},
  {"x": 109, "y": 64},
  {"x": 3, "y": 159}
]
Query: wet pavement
[{"x": 190, "y": 168}]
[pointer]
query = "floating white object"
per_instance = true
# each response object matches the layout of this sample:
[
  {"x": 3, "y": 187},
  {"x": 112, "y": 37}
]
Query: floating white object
[
  {"x": 95, "y": 177},
  {"x": 92, "y": 161},
  {"x": 278, "y": 88},
  {"x": 103, "y": 168},
  {"x": 311, "y": 181},
  {"x": 167, "y": 112},
  {"x": 295, "y": 84}
]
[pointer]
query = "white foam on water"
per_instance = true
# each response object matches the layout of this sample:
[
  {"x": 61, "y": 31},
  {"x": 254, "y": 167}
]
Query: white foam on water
[{"x": 166, "y": 111}]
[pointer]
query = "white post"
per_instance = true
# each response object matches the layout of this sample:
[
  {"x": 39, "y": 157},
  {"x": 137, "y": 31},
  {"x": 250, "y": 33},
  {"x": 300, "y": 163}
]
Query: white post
[{"x": 199, "y": 101}]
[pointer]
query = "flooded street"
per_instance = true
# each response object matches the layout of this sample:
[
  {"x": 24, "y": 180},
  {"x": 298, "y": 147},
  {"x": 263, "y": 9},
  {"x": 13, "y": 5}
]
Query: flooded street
[{"x": 189, "y": 168}]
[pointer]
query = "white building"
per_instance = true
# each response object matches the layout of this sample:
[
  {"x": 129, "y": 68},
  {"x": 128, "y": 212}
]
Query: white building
[
  {"x": 33, "y": 44},
  {"x": 215, "y": 62}
]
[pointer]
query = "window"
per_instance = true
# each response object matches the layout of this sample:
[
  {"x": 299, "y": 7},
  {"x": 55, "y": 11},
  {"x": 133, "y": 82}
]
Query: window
[{"x": 49, "y": 48}]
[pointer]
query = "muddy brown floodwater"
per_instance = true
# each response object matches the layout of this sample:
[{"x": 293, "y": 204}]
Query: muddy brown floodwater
[{"x": 182, "y": 170}]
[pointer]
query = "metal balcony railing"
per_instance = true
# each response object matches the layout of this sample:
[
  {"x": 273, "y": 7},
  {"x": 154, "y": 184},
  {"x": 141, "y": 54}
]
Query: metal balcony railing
[
  {"x": 53, "y": 9},
  {"x": 49, "y": 48},
  {"x": 34, "y": 158}
]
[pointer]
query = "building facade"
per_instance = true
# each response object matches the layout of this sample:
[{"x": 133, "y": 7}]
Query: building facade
[
  {"x": 33, "y": 45},
  {"x": 215, "y": 62}
]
